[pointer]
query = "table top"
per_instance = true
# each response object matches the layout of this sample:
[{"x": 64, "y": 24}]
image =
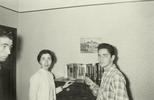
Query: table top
[{"x": 63, "y": 79}]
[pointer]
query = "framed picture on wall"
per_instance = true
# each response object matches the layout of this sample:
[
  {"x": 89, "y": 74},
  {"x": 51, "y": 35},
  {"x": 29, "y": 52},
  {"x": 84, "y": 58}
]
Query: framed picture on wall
[
  {"x": 8, "y": 37},
  {"x": 89, "y": 45}
]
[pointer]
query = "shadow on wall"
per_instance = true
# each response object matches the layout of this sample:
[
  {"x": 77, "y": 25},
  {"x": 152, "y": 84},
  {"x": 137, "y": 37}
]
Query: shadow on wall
[
  {"x": 126, "y": 78},
  {"x": 19, "y": 46},
  {"x": 128, "y": 88}
]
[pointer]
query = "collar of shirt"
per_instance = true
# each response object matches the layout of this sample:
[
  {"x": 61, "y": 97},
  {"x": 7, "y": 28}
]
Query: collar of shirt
[
  {"x": 109, "y": 67},
  {"x": 44, "y": 70}
]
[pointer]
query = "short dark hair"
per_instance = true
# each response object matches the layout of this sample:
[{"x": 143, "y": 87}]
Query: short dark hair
[
  {"x": 46, "y": 51},
  {"x": 5, "y": 33},
  {"x": 110, "y": 48}
]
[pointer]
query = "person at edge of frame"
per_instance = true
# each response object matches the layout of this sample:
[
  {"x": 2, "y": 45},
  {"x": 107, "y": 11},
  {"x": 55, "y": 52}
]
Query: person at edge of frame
[{"x": 6, "y": 42}]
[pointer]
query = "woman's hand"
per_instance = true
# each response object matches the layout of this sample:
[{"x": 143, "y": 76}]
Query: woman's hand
[{"x": 67, "y": 84}]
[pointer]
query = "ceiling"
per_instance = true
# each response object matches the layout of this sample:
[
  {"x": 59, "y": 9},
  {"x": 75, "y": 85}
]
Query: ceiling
[
  {"x": 30, "y": 5},
  {"x": 11, "y": 4}
]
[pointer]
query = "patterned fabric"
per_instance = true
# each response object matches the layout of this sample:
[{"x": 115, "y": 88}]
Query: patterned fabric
[{"x": 113, "y": 85}]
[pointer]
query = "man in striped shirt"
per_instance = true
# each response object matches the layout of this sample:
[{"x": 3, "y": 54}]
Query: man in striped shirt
[{"x": 113, "y": 84}]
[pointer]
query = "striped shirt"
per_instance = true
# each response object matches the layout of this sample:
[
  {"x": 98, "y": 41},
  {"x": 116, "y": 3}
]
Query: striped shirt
[{"x": 112, "y": 87}]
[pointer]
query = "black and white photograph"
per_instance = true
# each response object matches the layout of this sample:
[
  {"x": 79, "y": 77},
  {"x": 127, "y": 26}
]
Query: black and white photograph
[{"x": 76, "y": 49}]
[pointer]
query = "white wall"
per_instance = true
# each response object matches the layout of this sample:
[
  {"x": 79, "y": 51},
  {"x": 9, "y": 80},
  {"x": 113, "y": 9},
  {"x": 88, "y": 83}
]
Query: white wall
[{"x": 128, "y": 26}]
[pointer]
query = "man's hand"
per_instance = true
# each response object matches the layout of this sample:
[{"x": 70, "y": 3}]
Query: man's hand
[{"x": 88, "y": 81}]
